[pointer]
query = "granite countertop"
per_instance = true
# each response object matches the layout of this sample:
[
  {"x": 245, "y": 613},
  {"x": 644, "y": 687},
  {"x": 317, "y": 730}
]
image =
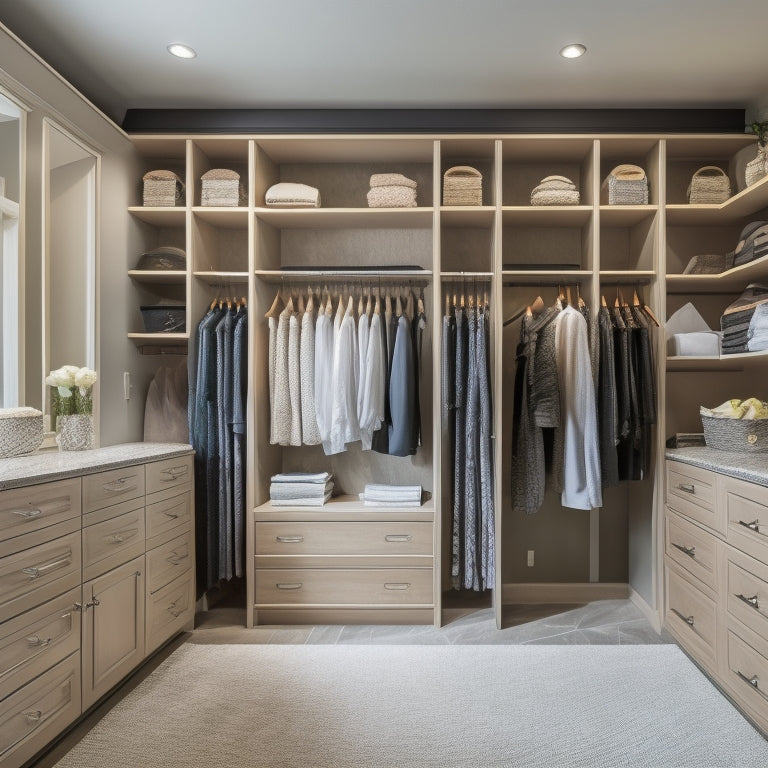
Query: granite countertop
[
  {"x": 752, "y": 467},
  {"x": 47, "y": 466}
]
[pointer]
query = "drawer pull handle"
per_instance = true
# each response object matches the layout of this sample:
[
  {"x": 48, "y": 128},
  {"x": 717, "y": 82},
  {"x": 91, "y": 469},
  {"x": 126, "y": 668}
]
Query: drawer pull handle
[
  {"x": 175, "y": 558},
  {"x": 27, "y": 512},
  {"x": 397, "y": 585},
  {"x": 687, "y": 619},
  {"x": 174, "y": 609},
  {"x": 298, "y": 585},
  {"x": 690, "y": 551},
  {"x": 33, "y": 715},
  {"x": 751, "y": 601},
  {"x": 36, "y": 571},
  {"x": 121, "y": 536},
  {"x": 119, "y": 485},
  {"x": 754, "y": 681},
  {"x": 753, "y": 526},
  {"x": 172, "y": 515},
  {"x": 93, "y": 603},
  {"x": 398, "y": 537},
  {"x": 289, "y": 539},
  {"x": 35, "y": 641},
  {"x": 174, "y": 473},
  {"x": 686, "y": 488}
]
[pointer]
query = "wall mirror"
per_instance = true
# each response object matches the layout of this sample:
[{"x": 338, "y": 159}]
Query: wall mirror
[{"x": 70, "y": 179}]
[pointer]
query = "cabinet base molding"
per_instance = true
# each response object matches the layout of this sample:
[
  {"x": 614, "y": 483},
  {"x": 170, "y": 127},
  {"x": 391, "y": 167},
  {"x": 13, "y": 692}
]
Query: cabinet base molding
[
  {"x": 651, "y": 615},
  {"x": 344, "y": 616},
  {"x": 563, "y": 592}
]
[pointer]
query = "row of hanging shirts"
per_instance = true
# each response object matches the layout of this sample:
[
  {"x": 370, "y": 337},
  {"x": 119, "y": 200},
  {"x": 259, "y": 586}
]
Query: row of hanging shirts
[
  {"x": 467, "y": 410},
  {"x": 345, "y": 369},
  {"x": 584, "y": 399}
]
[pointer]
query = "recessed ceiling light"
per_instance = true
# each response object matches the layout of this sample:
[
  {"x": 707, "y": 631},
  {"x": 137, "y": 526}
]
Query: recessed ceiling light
[
  {"x": 182, "y": 51},
  {"x": 573, "y": 51}
]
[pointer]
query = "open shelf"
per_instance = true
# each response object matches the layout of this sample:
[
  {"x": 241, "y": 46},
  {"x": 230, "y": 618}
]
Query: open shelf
[
  {"x": 625, "y": 215},
  {"x": 281, "y": 276},
  {"x": 344, "y": 508},
  {"x": 348, "y": 218},
  {"x": 233, "y": 217},
  {"x": 159, "y": 276},
  {"x": 545, "y": 277},
  {"x": 546, "y": 215},
  {"x": 159, "y": 339},
  {"x": 467, "y": 215},
  {"x": 217, "y": 278},
  {"x": 734, "y": 279},
  {"x": 160, "y": 217}
]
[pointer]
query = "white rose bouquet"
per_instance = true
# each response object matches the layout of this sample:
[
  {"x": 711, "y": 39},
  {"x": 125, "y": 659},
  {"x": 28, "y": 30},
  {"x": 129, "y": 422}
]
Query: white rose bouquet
[{"x": 71, "y": 390}]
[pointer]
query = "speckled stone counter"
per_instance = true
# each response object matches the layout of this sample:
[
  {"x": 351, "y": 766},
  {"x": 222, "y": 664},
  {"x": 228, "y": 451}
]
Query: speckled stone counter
[
  {"x": 45, "y": 467},
  {"x": 752, "y": 467}
]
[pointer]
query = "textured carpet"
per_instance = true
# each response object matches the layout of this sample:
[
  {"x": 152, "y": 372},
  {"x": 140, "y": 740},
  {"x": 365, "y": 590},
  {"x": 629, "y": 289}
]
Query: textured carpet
[{"x": 265, "y": 706}]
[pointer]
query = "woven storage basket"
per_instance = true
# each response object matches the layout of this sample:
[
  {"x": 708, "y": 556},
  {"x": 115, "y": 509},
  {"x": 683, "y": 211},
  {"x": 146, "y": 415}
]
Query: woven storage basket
[
  {"x": 163, "y": 188},
  {"x": 709, "y": 184},
  {"x": 740, "y": 435},
  {"x": 758, "y": 168},
  {"x": 625, "y": 185},
  {"x": 21, "y": 431},
  {"x": 462, "y": 185},
  {"x": 164, "y": 318},
  {"x": 222, "y": 187},
  {"x": 555, "y": 190}
]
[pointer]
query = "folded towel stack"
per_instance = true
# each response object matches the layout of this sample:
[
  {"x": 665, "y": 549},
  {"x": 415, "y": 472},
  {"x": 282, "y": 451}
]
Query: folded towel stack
[
  {"x": 301, "y": 489},
  {"x": 555, "y": 190},
  {"x": 376, "y": 495},
  {"x": 392, "y": 190},
  {"x": 287, "y": 194},
  {"x": 753, "y": 243},
  {"x": 745, "y": 322}
]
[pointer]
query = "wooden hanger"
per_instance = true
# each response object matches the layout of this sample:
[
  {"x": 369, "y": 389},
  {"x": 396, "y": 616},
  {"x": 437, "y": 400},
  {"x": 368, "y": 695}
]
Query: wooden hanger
[
  {"x": 538, "y": 305},
  {"x": 276, "y": 308},
  {"x": 603, "y": 302},
  {"x": 398, "y": 306},
  {"x": 310, "y": 300},
  {"x": 420, "y": 303},
  {"x": 377, "y": 309},
  {"x": 447, "y": 304}
]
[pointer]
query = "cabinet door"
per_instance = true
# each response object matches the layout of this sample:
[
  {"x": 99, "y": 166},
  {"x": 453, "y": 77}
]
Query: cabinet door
[{"x": 113, "y": 628}]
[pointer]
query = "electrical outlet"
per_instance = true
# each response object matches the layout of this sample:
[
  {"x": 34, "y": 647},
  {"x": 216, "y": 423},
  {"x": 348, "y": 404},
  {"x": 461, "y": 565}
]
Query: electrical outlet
[{"x": 530, "y": 558}]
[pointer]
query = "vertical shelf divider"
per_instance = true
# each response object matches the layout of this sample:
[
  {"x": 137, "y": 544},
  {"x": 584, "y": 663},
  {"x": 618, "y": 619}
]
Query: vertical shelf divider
[{"x": 437, "y": 403}]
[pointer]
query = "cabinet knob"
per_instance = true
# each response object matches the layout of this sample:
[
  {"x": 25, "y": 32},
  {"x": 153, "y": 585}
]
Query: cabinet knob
[
  {"x": 754, "y": 681},
  {"x": 93, "y": 603}
]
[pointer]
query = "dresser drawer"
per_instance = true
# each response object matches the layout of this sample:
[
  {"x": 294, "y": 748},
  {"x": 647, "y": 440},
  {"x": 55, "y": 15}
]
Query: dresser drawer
[
  {"x": 358, "y": 538},
  {"x": 692, "y": 492},
  {"x": 170, "y": 560},
  {"x": 112, "y": 542},
  {"x": 39, "y": 711},
  {"x": 167, "y": 516},
  {"x": 107, "y": 488},
  {"x": 35, "y": 575},
  {"x": 35, "y": 507},
  {"x": 693, "y": 549},
  {"x": 746, "y": 509},
  {"x": 169, "y": 473},
  {"x": 169, "y": 610},
  {"x": 364, "y": 586},
  {"x": 747, "y": 592},
  {"x": 691, "y": 616},
  {"x": 38, "y": 639},
  {"x": 747, "y": 677}
]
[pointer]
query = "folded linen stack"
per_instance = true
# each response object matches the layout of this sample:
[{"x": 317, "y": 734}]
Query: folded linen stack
[
  {"x": 301, "y": 489},
  {"x": 555, "y": 190},
  {"x": 392, "y": 190},
  {"x": 288, "y": 194},
  {"x": 753, "y": 243},
  {"x": 745, "y": 322},
  {"x": 376, "y": 495}
]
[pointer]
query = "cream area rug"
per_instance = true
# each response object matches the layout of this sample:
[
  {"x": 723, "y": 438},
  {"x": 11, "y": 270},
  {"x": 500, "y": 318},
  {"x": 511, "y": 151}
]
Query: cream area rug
[{"x": 378, "y": 706}]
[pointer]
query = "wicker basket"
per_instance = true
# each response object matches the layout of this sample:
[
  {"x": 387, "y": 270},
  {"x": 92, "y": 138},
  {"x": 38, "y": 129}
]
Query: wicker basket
[
  {"x": 758, "y": 168},
  {"x": 555, "y": 190},
  {"x": 462, "y": 185},
  {"x": 163, "y": 188},
  {"x": 740, "y": 435},
  {"x": 21, "y": 431},
  {"x": 709, "y": 184},
  {"x": 625, "y": 185},
  {"x": 222, "y": 187}
]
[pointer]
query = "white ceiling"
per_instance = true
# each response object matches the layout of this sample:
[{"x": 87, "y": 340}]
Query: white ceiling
[{"x": 402, "y": 53}]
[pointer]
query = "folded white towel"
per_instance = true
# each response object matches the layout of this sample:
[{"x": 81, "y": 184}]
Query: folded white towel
[
  {"x": 302, "y": 477},
  {"x": 288, "y": 194},
  {"x": 391, "y": 504},
  {"x": 316, "y": 502},
  {"x": 383, "y": 487},
  {"x": 392, "y": 197},
  {"x": 695, "y": 344},
  {"x": 299, "y": 490},
  {"x": 381, "y": 496},
  {"x": 392, "y": 180}
]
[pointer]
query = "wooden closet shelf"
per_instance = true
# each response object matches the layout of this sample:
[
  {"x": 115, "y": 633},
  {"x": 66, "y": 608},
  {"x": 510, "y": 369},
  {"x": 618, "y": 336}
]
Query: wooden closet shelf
[
  {"x": 216, "y": 278},
  {"x": 625, "y": 215},
  {"x": 735, "y": 279},
  {"x": 159, "y": 276},
  {"x": 344, "y": 509},
  {"x": 346, "y": 218},
  {"x": 546, "y": 215},
  {"x": 742, "y": 205},
  {"x": 392, "y": 276},
  {"x": 161, "y": 217},
  {"x": 737, "y": 362}
]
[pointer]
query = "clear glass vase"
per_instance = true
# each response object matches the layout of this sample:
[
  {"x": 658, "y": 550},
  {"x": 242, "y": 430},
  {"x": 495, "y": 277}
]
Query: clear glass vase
[{"x": 75, "y": 432}]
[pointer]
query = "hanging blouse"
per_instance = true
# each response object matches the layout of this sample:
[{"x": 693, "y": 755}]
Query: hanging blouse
[
  {"x": 362, "y": 346},
  {"x": 281, "y": 412},
  {"x": 310, "y": 434},
  {"x": 372, "y": 412},
  {"x": 323, "y": 372},
  {"x": 402, "y": 393},
  {"x": 294, "y": 378},
  {"x": 345, "y": 427}
]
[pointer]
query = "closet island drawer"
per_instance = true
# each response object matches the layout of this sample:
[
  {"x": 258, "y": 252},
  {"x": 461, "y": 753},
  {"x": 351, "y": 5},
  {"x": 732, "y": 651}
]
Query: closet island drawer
[
  {"x": 166, "y": 518},
  {"x": 169, "y": 610},
  {"x": 693, "y": 549},
  {"x": 333, "y": 538},
  {"x": 34, "y": 575},
  {"x": 747, "y": 592},
  {"x": 170, "y": 560},
  {"x": 364, "y": 586},
  {"x": 692, "y": 492},
  {"x": 170, "y": 473},
  {"x": 40, "y": 710},
  {"x": 35, "y": 507},
  {"x": 747, "y": 677},
  {"x": 112, "y": 542},
  {"x": 107, "y": 488},
  {"x": 38, "y": 639},
  {"x": 691, "y": 616},
  {"x": 746, "y": 509}
]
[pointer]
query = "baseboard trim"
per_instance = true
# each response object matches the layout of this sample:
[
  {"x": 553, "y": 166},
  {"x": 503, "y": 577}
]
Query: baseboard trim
[
  {"x": 650, "y": 614},
  {"x": 586, "y": 592}
]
